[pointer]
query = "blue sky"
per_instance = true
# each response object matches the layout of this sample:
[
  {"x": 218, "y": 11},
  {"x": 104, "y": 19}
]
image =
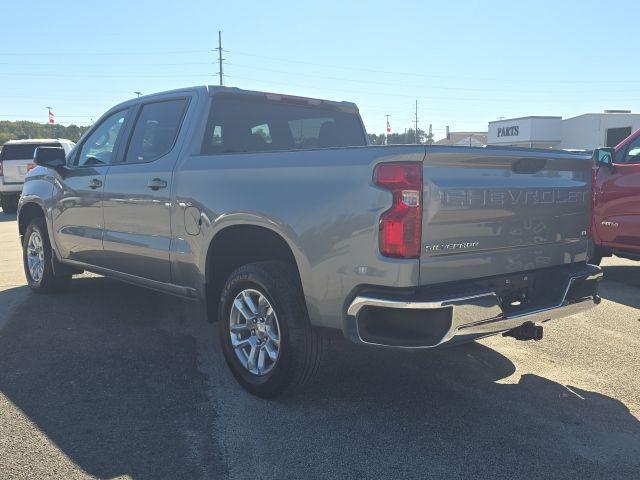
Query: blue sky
[{"x": 466, "y": 62}]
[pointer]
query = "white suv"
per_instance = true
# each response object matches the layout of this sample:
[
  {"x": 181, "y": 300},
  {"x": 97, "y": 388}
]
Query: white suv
[{"x": 16, "y": 159}]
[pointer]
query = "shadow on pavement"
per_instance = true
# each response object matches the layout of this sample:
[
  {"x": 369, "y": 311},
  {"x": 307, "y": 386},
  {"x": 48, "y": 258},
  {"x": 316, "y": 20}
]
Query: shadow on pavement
[
  {"x": 110, "y": 373},
  {"x": 6, "y": 217},
  {"x": 621, "y": 284},
  {"x": 107, "y": 372}
]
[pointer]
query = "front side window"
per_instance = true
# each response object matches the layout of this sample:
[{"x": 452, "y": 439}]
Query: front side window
[
  {"x": 98, "y": 148},
  {"x": 155, "y": 131},
  {"x": 633, "y": 153},
  {"x": 249, "y": 123}
]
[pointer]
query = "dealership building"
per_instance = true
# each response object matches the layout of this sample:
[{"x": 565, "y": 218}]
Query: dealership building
[{"x": 588, "y": 131}]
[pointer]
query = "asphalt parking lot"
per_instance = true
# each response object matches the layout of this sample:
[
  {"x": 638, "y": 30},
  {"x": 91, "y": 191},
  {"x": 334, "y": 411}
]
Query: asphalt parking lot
[{"x": 113, "y": 381}]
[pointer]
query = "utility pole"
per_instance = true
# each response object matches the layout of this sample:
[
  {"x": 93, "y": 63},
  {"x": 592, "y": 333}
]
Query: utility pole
[
  {"x": 416, "y": 131},
  {"x": 220, "y": 56},
  {"x": 386, "y": 138}
]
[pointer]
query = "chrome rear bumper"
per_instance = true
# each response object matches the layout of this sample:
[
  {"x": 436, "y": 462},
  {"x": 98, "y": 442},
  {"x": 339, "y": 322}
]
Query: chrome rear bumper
[{"x": 477, "y": 315}]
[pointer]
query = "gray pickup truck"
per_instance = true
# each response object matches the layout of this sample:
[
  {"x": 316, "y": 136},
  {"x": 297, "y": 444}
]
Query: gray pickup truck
[{"x": 275, "y": 212}]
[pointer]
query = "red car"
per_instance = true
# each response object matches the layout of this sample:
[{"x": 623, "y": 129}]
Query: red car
[{"x": 616, "y": 201}]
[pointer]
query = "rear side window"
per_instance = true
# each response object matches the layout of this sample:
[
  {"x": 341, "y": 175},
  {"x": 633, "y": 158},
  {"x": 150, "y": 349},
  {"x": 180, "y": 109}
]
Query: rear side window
[
  {"x": 23, "y": 151},
  {"x": 156, "y": 130},
  {"x": 255, "y": 124}
]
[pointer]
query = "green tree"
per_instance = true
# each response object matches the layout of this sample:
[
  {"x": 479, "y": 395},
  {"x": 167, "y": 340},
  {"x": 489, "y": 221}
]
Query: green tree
[
  {"x": 22, "y": 129},
  {"x": 405, "y": 138}
]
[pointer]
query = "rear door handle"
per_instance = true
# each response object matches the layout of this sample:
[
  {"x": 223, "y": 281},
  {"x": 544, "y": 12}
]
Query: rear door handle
[
  {"x": 157, "y": 184},
  {"x": 95, "y": 183}
]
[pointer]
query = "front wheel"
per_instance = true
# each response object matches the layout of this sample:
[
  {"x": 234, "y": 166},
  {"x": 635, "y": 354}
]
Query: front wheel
[
  {"x": 38, "y": 258},
  {"x": 264, "y": 329}
]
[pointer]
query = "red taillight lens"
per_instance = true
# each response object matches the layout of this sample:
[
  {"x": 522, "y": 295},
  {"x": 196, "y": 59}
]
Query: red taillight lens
[
  {"x": 401, "y": 225},
  {"x": 30, "y": 167}
]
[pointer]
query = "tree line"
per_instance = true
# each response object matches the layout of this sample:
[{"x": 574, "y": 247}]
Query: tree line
[
  {"x": 404, "y": 138},
  {"x": 22, "y": 129}
]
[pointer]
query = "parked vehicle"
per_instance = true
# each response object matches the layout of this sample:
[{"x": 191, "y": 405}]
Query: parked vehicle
[
  {"x": 616, "y": 201},
  {"x": 16, "y": 158},
  {"x": 275, "y": 212}
]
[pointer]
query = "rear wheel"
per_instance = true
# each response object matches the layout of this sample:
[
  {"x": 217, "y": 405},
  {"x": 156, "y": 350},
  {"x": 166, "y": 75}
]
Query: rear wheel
[
  {"x": 38, "y": 260},
  {"x": 595, "y": 254},
  {"x": 264, "y": 329},
  {"x": 9, "y": 203}
]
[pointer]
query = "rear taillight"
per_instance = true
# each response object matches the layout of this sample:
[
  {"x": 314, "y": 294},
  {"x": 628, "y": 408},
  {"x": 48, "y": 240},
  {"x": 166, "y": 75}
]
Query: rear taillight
[
  {"x": 30, "y": 167},
  {"x": 400, "y": 226}
]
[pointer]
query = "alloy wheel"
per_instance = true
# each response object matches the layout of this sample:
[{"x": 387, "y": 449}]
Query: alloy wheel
[
  {"x": 254, "y": 332},
  {"x": 35, "y": 256}
]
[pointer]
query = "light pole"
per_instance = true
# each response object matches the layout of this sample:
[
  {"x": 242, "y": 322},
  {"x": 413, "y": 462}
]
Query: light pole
[{"x": 138, "y": 94}]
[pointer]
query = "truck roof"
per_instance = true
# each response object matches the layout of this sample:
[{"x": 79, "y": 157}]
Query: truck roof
[
  {"x": 36, "y": 140},
  {"x": 214, "y": 89}
]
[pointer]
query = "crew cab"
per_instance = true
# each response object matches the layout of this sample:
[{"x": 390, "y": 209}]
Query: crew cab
[
  {"x": 616, "y": 201},
  {"x": 275, "y": 212},
  {"x": 16, "y": 158}
]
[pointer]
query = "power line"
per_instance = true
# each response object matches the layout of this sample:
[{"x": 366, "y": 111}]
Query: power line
[
  {"x": 99, "y": 75},
  {"x": 413, "y": 74},
  {"x": 137, "y": 64},
  {"x": 221, "y": 74},
  {"x": 302, "y": 62},
  {"x": 70, "y": 54},
  {"x": 386, "y": 94},
  {"x": 289, "y": 60},
  {"x": 373, "y": 82}
]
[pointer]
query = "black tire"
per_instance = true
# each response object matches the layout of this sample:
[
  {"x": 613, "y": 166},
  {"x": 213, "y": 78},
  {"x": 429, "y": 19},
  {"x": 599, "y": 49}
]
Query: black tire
[
  {"x": 49, "y": 281},
  {"x": 595, "y": 259},
  {"x": 10, "y": 203},
  {"x": 594, "y": 254},
  {"x": 300, "y": 348}
]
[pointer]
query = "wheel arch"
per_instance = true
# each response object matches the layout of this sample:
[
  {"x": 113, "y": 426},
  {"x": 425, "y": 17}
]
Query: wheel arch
[
  {"x": 243, "y": 242},
  {"x": 27, "y": 212}
]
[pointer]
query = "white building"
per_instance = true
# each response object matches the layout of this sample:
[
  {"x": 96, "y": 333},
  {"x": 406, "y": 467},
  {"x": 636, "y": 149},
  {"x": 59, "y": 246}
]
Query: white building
[
  {"x": 588, "y": 131},
  {"x": 465, "y": 139}
]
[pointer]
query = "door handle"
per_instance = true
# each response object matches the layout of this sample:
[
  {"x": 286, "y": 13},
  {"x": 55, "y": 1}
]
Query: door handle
[
  {"x": 157, "y": 184},
  {"x": 95, "y": 183}
]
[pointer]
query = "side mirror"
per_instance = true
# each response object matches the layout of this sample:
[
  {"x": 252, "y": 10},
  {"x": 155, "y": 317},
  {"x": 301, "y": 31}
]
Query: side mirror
[
  {"x": 52, "y": 157},
  {"x": 604, "y": 156}
]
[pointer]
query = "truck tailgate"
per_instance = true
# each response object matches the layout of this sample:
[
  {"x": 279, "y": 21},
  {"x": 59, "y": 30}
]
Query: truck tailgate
[
  {"x": 497, "y": 211},
  {"x": 14, "y": 171}
]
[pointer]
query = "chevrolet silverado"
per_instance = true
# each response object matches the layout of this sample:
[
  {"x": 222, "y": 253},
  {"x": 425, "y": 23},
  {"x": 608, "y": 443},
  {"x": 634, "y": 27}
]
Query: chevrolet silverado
[{"x": 275, "y": 212}]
